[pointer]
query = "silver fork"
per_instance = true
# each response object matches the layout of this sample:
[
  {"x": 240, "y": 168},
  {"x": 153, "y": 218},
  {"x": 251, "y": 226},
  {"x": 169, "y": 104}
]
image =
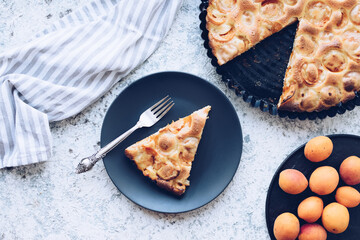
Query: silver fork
[{"x": 147, "y": 119}]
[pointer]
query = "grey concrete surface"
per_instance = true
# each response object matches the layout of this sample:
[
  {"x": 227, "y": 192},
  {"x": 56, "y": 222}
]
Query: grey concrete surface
[{"x": 49, "y": 201}]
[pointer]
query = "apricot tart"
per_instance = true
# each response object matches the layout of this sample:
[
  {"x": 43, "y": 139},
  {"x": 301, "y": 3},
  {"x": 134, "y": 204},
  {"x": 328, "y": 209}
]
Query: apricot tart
[
  {"x": 166, "y": 156},
  {"x": 324, "y": 67}
]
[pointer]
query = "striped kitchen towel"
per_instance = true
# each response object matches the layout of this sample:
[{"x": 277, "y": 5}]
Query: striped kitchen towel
[{"x": 70, "y": 65}]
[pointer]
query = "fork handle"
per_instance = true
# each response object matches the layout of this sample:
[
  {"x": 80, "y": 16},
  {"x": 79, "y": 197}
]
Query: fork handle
[
  {"x": 87, "y": 163},
  {"x": 110, "y": 146}
]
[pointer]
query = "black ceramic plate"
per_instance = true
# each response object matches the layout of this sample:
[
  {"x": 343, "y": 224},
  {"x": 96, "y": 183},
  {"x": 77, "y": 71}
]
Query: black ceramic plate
[
  {"x": 257, "y": 75},
  {"x": 218, "y": 153},
  {"x": 278, "y": 201}
]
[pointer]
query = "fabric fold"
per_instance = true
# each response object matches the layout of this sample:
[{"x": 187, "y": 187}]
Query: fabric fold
[{"x": 69, "y": 66}]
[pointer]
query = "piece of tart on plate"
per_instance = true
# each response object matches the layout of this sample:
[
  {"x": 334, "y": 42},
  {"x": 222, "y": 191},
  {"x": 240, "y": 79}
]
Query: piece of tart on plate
[{"x": 166, "y": 156}]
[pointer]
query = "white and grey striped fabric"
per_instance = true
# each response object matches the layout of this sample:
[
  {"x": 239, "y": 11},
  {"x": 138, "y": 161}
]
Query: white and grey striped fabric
[{"x": 69, "y": 66}]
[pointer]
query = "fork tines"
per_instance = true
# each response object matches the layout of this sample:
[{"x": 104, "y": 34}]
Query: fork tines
[{"x": 159, "y": 109}]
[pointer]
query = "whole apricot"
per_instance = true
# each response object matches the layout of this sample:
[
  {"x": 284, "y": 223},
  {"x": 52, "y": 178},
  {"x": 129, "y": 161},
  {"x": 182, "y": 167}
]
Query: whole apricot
[
  {"x": 312, "y": 231},
  {"x": 292, "y": 181},
  {"x": 350, "y": 170},
  {"x": 310, "y": 209},
  {"x": 324, "y": 180},
  {"x": 348, "y": 196},
  {"x": 335, "y": 218},
  {"x": 318, "y": 149},
  {"x": 286, "y": 227}
]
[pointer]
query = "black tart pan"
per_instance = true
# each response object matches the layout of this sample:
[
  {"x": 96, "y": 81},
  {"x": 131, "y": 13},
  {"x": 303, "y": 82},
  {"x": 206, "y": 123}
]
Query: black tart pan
[{"x": 257, "y": 75}]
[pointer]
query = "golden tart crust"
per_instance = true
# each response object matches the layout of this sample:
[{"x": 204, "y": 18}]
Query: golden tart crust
[
  {"x": 324, "y": 67},
  {"x": 166, "y": 156}
]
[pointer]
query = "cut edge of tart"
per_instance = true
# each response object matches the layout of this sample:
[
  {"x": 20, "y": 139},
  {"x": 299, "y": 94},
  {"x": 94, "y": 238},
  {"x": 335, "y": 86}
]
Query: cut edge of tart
[
  {"x": 236, "y": 26},
  {"x": 166, "y": 156}
]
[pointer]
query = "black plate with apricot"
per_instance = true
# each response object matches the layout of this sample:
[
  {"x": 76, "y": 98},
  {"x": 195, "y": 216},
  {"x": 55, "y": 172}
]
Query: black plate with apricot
[{"x": 278, "y": 201}]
